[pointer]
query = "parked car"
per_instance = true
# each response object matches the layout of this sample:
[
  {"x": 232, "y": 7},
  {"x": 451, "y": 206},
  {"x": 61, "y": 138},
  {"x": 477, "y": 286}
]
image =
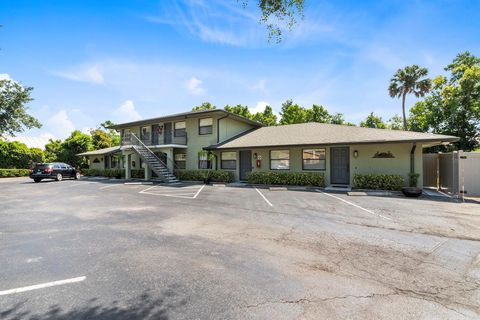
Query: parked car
[{"x": 55, "y": 170}]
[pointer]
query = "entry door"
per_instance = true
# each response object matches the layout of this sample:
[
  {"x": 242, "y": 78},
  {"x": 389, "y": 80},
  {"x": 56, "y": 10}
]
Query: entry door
[
  {"x": 155, "y": 134},
  {"x": 245, "y": 163},
  {"x": 167, "y": 134},
  {"x": 339, "y": 165}
]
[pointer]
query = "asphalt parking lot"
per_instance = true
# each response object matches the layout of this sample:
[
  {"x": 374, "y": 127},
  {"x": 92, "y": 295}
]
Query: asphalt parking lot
[{"x": 107, "y": 250}]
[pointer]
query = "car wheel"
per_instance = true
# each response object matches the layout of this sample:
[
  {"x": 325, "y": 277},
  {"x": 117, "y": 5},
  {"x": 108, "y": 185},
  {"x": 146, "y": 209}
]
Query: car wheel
[
  {"x": 37, "y": 180},
  {"x": 77, "y": 176},
  {"x": 59, "y": 177}
]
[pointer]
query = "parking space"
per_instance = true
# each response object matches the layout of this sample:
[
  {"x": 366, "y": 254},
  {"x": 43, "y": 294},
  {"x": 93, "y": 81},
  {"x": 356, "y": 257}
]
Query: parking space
[{"x": 104, "y": 249}]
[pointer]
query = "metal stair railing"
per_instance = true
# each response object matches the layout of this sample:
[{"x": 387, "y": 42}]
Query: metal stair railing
[{"x": 136, "y": 142}]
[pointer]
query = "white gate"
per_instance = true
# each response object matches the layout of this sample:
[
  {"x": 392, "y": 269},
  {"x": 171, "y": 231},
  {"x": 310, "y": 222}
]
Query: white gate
[{"x": 457, "y": 173}]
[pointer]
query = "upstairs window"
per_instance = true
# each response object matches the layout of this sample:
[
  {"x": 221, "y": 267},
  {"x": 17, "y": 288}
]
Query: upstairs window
[
  {"x": 229, "y": 160},
  {"x": 205, "y": 126},
  {"x": 313, "y": 159},
  {"x": 145, "y": 136},
  {"x": 280, "y": 160},
  {"x": 180, "y": 130}
]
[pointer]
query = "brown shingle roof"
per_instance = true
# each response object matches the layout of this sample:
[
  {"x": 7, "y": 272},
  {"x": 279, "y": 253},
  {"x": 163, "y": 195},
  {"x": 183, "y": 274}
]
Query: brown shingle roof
[{"x": 325, "y": 134}]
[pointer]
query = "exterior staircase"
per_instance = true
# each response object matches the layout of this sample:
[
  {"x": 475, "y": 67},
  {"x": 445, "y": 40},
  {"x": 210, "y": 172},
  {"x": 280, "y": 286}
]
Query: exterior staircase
[{"x": 157, "y": 165}]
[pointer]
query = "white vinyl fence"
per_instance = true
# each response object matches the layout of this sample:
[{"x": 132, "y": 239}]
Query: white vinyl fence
[{"x": 457, "y": 173}]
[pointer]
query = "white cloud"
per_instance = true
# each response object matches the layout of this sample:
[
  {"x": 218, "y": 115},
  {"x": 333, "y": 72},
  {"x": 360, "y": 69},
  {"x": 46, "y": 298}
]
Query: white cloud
[
  {"x": 60, "y": 124},
  {"x": 127, "y": 112},
  {"x": 260, "y": 107},
  {"x": 5, "y": 76},
  {"x": 194, "y": 86},
  {"x": 90, "y": 74},
  {"x": 260, "y": 86}
]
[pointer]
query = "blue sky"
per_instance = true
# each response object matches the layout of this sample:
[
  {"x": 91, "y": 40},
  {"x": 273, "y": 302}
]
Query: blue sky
[{"x": 124, "y": 60}]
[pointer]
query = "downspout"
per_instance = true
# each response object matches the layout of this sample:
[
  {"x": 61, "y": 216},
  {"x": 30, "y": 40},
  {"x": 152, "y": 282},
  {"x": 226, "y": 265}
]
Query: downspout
[{"x": 412, "y": 158}]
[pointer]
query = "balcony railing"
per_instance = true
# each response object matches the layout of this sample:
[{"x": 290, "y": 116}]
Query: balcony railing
[{"x": 127, "y": 140}]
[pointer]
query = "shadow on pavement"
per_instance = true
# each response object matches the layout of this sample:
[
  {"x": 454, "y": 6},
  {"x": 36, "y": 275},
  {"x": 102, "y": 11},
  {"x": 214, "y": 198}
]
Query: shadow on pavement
[{"x": 143, "y": 307}]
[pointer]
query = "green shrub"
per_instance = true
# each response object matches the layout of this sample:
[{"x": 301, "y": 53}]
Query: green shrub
[
  {"x": 4, "y": 173},
  {"x": 191, "y": 175},
  {"x": 287, "y": 178},
  {"x": 222, "y": 176},
  {"x": 378, "y": 181},
  {"x": 112, "y": 173},
  {"x": 413, "y": 179},
  {"x": 201, "y": 175},
  {"x": 138, "y": 173}
]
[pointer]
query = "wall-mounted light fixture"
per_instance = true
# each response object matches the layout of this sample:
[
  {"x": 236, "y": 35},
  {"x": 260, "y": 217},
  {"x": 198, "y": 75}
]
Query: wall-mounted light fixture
[
  {"x": 355, "y": 154},
  {"x": 255, "y": 155}
]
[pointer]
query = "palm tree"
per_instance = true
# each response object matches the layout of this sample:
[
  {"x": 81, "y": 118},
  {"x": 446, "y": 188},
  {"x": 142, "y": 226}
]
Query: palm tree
[{"x": 408, "y": 80}]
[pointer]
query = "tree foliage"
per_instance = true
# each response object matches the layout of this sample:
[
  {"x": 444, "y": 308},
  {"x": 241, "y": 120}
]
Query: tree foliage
[
  {"x": 408, "y": 80},
  {"x": 267, "y": 117},
  {"x": 77, "y": 142},
  {"x": 204, "y": 106},
  {"x": 240, "y": 110},
  {"x": 292, "y": 113},
  {"x": 13, "y": 113},
  {"x": 396, "y": 123},
  {"x": 453, "y": 107},
  {"x": 278, "y": 15},
  {"x": 373, "y": 121},
  {"x": 16, "y": 155},
  {"x": 53, "y": 150}
]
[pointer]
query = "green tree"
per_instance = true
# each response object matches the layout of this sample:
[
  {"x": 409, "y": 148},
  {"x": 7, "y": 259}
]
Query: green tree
[
  {"x": 292, "y": 113},
  {"x": 395, "y": 123},
  {"x": 204, "y": 106},
  {"x": 373, "y": 121},
  {"x": 453, "y": 107},
  {"x": 101, "y": 139},
  {"x": 267, "y": 117},
  {"x": 338, "y": 118},
  {"x": 278, "y": 12},
  {"x": 16, "y": 155},
  {"x": 410, "y": 79},
  {"x": 13, "y": 113},
  {"x": 77, "y": 142},
  {"x": 53, "y": 150},
  {"x": 112, "y": 132},
  {"x": 240, "y": 110},
  {"x": 319, "y": 114}
]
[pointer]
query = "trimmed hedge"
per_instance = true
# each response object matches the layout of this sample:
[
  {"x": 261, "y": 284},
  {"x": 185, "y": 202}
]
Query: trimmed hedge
[
  {"x": 378, "y": 181},
  {"x": 288, "y": 178},
  {"x": 113, "y": 173},
  {"x": 4, "y": 173},
  {"x": 201, "y": 175}
]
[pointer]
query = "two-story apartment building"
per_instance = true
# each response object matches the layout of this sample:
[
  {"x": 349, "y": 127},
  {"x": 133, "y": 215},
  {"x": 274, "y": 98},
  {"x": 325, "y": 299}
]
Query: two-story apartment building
[{"x": 181, "y": 142}]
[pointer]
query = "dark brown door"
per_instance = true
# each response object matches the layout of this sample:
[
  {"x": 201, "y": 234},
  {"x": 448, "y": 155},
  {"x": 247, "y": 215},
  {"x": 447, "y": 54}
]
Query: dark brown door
[
  {"x": 245, "y": 164},
  {"x": 339, "y": 165}
]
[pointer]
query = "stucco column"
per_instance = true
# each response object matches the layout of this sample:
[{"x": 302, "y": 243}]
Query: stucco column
[
  {"x": 170, "y": 160},
  {"x": 127, "y": 164},
  {"x": 148, "y": 171}
]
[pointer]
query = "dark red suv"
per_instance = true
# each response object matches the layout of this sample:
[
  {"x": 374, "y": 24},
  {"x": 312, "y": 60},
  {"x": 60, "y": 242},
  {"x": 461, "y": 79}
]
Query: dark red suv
[{"x": 55, "y": 170}]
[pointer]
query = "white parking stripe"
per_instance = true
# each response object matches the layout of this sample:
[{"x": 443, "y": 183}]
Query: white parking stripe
[
  {"x": 264, "y": 198},
  {"x": 142, "y": 191},
  {"x": 42, "y": 285},
  {"x": 111, "y": 186},
  {"x": 198, "y": 192},
  {"x": 355, "y": 205}
]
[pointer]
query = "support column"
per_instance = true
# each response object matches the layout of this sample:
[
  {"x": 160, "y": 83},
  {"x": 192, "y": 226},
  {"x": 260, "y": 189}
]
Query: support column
[
  {"x": 148, "y": 171},
  {"x": 170, "y": 160},
  {"x": 127, "y": 164}
]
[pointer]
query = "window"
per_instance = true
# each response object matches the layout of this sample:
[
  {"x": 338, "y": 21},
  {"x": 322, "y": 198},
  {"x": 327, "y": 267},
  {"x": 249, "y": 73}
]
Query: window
[
  {"x": 313, "y": 159},
  {"x": 179, "y": 129},
  {"x": 180, "y": 160},
  {"x": 205, "y": 126},
  {"x": 229, "y": 160},
  {"x": 280, "y": 160},
  {"x": 203, "y": 162}
]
